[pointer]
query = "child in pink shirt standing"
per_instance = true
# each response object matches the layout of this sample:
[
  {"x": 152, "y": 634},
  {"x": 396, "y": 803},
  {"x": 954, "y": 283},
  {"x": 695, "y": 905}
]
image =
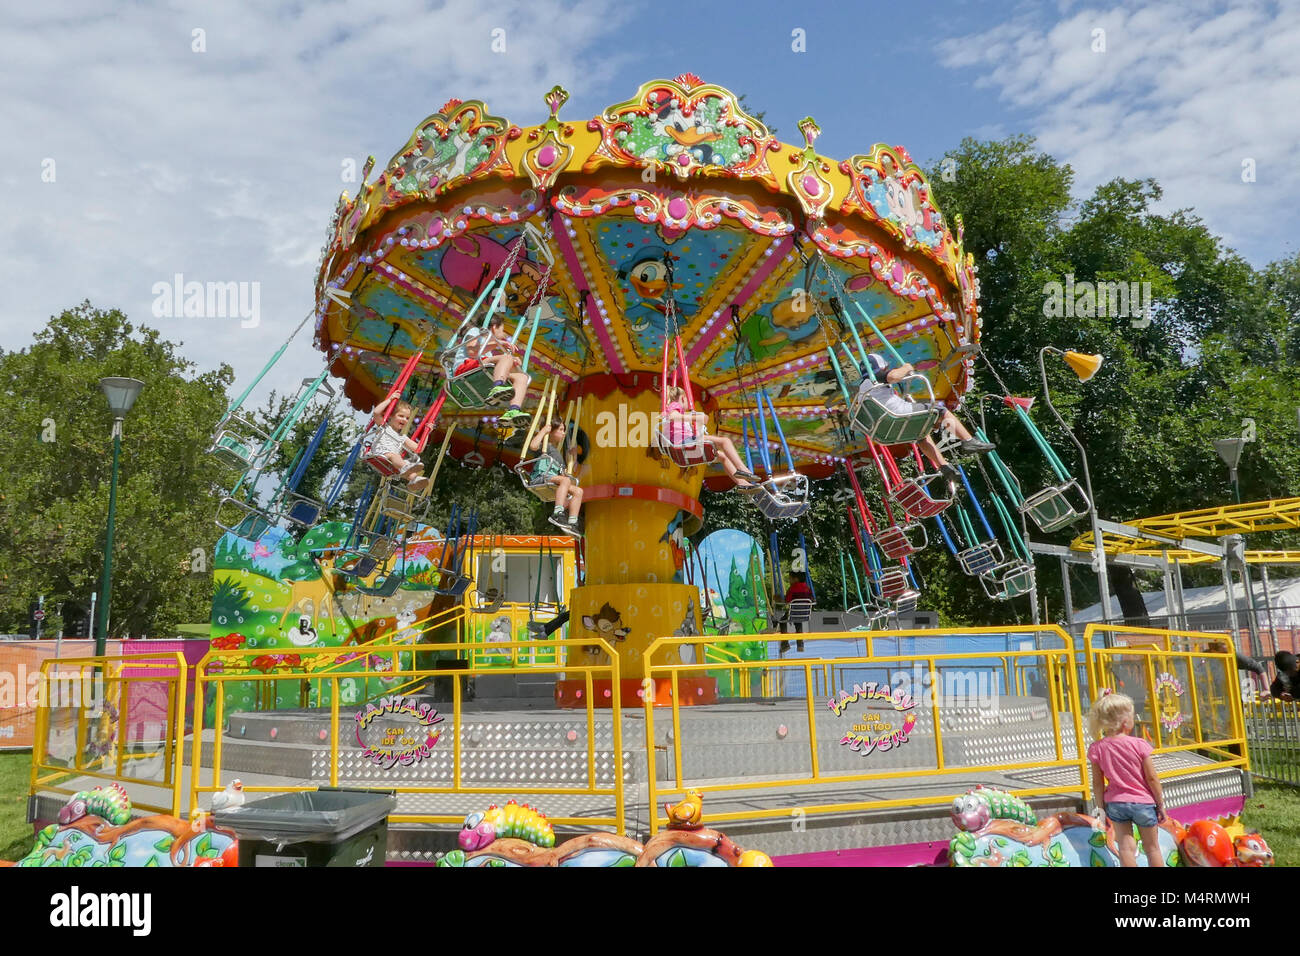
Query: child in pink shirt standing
[{"x": 1132, "y": 791}]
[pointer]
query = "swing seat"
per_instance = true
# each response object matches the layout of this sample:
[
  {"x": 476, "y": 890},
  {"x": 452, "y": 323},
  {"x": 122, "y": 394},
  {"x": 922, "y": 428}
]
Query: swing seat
[
  {"x": 782, "y": 496},
  {"x": 1051, "y": 509},
  {"x": 301, "y": 510},
  {"x": 980, "y": 559},
  {"x": 468, "y": 381},
  {"x": 386, "y": 587},
  {"x": 916, "y": 501},
  {"x": 1009, "y": 581},
  {"x": 892, "y": 582},
  {"x": 456, "y": 586},
  {"x": 400, "y": 504},
  {"x": 691, "y": 447},
  {"x": 872, "y": 418},
  {"x": 536, "y": 474},
  {"x": 901, "y": 541},
  {"x": 242, "y": 519},
  {"x": 241, "y": 444},
  {"x": 488, "y": 603}
]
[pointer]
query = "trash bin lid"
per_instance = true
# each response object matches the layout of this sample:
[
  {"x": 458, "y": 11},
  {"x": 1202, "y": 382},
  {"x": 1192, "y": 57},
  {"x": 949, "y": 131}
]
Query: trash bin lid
[{"x": 327, "y": 815}]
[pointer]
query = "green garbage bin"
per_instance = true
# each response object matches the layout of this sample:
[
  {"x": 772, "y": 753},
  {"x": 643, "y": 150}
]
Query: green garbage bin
[{"x": 327, "y": 827}]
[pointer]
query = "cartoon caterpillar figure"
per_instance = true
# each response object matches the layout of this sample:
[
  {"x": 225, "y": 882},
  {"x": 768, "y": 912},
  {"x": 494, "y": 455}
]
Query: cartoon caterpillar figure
[
  {"x": 517, "y": 821},
  {"x": 974, "y": 811},
  {"x": 111, "y": 803}
]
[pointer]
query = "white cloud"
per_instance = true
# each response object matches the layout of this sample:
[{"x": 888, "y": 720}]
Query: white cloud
[
  {"x": 1183, "y": 93},
  {"x": 225, "y": 165}
]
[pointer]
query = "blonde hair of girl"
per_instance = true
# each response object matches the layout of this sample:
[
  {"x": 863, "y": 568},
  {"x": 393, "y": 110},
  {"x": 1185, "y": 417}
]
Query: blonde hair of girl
[
  {"x": 676, "y": 393},
  {"x": 1109, "y": 714}
]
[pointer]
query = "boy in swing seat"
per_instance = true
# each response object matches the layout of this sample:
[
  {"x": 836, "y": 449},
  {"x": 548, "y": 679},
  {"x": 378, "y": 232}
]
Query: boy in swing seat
[
  {"x": 878, "y": 379},
  {"x": 508, "y": 379},
  {"x": 568, "y": 496},
  {"x": 390, "y": 443}
]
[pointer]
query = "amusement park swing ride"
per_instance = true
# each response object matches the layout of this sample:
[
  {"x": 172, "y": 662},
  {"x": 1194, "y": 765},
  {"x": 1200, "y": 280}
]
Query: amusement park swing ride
[{"x": 658, "y": 299}]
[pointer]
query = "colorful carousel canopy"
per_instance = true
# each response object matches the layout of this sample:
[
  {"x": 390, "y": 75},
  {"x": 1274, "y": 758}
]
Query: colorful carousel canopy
[{"x": 764, "y": 240}]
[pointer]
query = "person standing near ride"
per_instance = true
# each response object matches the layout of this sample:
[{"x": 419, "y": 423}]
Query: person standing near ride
[
  {"x": 568, "y": 496},
  {"x": 390, "y": 444},
  {"x": 508, "y": 379},
  {"x": 1132, "y": 791},
  {"x": 685, "y": 425},
  {"x": 878, "y": 379},
  {"x": 799, "y": 588}
]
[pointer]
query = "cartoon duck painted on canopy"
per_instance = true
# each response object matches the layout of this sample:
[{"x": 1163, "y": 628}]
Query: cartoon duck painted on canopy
[{"x": 646, "y": 275}]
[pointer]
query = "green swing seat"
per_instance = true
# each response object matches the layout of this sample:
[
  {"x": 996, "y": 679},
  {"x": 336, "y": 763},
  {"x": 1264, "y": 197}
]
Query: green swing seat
[
  {"x": 870, "y": 417},
  {"x": 1009, "y": 581},
  {"x": 1051, "y": 509},
  {"x": 468, "y": 381},
  {"x": 241, "y": 444},
  {"x": 242, "y": 519}
]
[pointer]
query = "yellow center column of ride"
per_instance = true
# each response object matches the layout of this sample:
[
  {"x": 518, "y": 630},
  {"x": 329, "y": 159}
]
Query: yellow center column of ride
[{"x": 638, "y": 506}]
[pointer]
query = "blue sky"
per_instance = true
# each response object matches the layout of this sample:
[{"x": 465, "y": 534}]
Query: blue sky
[{"x": 223, "y": 164}]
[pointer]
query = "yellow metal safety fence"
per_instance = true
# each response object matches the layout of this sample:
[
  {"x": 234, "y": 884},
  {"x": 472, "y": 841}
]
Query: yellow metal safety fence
[
  {"x": 837, "y": 711},
  {"x": 605, "y": 786},
  {"x": 932, "y": 721},
  {"x": 113, "y": 720},
  {"x": 1184, "y": 688}
]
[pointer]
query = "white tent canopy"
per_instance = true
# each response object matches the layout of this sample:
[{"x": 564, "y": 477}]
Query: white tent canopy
[{"x": 1285, "y": 594}]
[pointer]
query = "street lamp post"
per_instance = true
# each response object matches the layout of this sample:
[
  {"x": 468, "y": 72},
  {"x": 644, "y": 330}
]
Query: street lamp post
[
  {"x": 1229, "y": 450},
  {"x": 121, "y": 394},
  {"x": 1085, "y": 366}
]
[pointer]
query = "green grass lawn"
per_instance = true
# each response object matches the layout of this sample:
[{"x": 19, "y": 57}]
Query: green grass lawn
[
  {"x": 1274, "y": 811},
  {"x": 15, "y": 832}
]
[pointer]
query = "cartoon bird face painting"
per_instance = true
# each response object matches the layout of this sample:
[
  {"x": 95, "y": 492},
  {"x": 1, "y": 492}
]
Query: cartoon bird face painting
[{"x": 675, "y": 536}]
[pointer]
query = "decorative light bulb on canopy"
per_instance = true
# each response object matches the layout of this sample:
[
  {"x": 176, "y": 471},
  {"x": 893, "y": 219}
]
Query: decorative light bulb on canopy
[{"x": 772, "y": 250}]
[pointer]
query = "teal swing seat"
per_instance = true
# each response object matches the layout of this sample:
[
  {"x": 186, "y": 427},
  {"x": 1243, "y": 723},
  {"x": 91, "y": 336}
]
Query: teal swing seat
[
  {"x": 1009, "y": 581},
  {"x": 872, "y": 418},
  {"x": 469, "y": 382},
  {"x": 242, "y": 519},
  {"x": 1052, "y": 508},
  {"x": 241, "y": 444}
]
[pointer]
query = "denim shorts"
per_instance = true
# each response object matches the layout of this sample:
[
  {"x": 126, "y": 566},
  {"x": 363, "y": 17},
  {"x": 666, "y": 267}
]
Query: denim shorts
[{"x": 1143, "y": 814}]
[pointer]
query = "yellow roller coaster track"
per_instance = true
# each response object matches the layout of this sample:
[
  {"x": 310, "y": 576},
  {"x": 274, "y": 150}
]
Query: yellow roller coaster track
[{"x": 1278, "y": 514}]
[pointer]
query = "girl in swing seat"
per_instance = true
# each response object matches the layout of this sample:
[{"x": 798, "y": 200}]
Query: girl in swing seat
[
  {"x": 878, "y": 379},
  {"x": 508, "y": 380},
  {"x": 680, "y": 432},
  {"x": 568, "y": 496},
  {"x": 390, "y": 443}
]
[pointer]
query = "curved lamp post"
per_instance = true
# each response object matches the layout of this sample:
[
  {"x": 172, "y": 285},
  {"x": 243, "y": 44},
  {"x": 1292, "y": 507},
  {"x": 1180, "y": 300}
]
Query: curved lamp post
[
  {"x": 1085, "y": 366},
  {"x": 121, "y": 394}
]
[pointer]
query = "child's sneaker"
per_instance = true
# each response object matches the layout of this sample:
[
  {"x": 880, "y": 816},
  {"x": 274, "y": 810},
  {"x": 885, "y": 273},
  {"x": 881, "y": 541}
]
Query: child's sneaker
[
  {"x": 499, "y": 393},
  {"x": 557, "y": 514},
  {"x": 572, "y": 527},
  {"x": 514, "y": 416}
]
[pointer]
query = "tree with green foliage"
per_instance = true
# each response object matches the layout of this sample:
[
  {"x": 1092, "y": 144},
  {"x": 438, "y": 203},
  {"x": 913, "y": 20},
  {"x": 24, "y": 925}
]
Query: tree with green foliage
[
  {"x": 1215, "y": 357},
  {"x": 57, "y": 454}
]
